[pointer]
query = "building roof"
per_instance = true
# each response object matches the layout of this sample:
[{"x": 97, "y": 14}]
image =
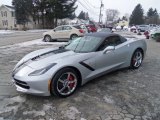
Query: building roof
[{"x": 10, "y": 8}]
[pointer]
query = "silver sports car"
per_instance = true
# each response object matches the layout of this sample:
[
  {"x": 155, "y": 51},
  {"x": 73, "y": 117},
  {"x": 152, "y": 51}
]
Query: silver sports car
[{"x": 60, "y": 71}]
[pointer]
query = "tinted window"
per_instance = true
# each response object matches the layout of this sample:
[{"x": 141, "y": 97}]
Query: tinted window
[
  {"x": 58, "y": 28},
  {"x": 77, "y": 26},
  {"x": 110, "y": 41},
  {"x": 67, "y": 28}
]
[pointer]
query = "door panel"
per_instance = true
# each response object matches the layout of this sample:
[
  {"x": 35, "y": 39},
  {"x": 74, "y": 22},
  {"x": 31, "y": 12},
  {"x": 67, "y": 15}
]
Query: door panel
[
  {"x": 105, "y": 60},
  {"x": 66, "y": 31},
  {"x": 112, "y": 59},
  {"x": 58, "y": 33}
]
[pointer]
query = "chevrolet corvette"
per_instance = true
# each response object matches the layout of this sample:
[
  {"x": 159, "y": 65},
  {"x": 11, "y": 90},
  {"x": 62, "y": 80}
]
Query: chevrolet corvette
[{"x": 60, "y": 71}]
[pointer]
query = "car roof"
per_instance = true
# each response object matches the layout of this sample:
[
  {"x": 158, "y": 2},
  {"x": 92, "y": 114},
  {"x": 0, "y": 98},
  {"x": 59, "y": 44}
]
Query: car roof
[{"x": 103, "y": 35}]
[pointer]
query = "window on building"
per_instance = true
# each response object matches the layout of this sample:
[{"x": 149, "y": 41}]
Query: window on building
[
  {"x": 2, "y": 13},
  {"x": 5, "y": 22},
  {"x": 5, "y": 13},
  {"x": 13, "y": 14}
]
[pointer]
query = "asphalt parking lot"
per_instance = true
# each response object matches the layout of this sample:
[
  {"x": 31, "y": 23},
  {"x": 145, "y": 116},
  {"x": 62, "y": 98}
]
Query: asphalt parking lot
[{"x": 121, "y": 95}]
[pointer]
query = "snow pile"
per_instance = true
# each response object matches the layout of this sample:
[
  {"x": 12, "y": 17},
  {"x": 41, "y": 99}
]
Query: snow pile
[
  {"x": 33, "y": 42},
  {"x": 38, "y": 30},
  {"x": 4, "y": 32},
  {"x": 140, "y": 36},
  {"x": 39, "y": 42}
]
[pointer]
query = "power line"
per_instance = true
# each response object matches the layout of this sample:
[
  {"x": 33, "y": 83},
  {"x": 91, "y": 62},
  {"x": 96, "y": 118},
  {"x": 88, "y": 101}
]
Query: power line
[
  {"x": 87, "y": 8},
  {"x": 91, "y": 4}
]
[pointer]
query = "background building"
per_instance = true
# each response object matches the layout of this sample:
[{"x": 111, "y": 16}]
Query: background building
[{"x": 7, "y": 17}]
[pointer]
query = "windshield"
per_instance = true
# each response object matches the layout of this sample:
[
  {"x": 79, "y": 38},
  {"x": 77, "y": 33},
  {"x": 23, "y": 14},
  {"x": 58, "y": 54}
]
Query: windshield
[{"x": 84, "y": 44}]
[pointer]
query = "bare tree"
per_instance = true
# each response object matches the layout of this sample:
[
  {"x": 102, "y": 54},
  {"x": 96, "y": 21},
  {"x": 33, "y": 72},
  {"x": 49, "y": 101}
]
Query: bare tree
[
  {"x": 127, "y": 16},
  {"x": 112, "y": 14}
]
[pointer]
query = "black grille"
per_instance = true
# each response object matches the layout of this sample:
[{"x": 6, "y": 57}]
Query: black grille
[{"x": 21, "y": 84}]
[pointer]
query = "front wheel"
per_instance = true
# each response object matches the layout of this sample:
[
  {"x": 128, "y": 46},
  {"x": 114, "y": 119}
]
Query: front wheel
[
  {"x": 64, "y": 83},
  {"x": 47, "y": 38},
  {"x": 137, "y": 59}
]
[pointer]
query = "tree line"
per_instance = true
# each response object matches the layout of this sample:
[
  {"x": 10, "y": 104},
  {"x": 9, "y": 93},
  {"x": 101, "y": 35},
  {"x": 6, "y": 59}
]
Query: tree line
[
  {"x": 137, "y": 17},
  {"x": 46, "y": 11}
]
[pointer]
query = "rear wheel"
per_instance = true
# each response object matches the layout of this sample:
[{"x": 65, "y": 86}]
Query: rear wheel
[
  {"x": 73, "y": 36},
  {"x": 64, "y": 83},
  {"x": 47, "y": 38},
  {"x": 137, "y": 59}
]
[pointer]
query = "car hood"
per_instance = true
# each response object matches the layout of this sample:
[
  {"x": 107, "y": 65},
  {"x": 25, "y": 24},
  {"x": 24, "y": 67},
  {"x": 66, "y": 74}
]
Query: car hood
[{"x": 41, "y": 58}]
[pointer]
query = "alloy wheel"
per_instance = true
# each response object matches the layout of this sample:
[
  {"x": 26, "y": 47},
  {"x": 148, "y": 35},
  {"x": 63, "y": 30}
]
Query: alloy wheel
[
  {"x": 137, "y": 59},
  {"x": 47, "y": 38},
  {"x": 67, "y": 83}
]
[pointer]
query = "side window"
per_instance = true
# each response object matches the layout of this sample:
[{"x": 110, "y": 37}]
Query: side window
[
  {"x": 116, "y": 40},
  {"x": 67, "y": 28},
  {"x": 110, "y": 41},
  {"x": 58, "y": 29}
]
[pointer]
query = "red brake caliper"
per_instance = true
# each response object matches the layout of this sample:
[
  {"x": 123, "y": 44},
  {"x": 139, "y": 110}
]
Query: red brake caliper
[
  {"x": 71, "y": 78},
  {"x": 134, "y": 60}
]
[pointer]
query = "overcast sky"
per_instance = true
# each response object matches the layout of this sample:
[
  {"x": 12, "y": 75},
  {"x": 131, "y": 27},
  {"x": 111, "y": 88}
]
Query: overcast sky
[{"x": 123, "y": 6}]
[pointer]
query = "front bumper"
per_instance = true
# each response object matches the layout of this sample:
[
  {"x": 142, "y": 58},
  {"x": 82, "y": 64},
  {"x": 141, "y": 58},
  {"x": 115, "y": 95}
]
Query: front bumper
[
  {"x": 37, "y": 85},
  {"x": 30, "y": 88}
]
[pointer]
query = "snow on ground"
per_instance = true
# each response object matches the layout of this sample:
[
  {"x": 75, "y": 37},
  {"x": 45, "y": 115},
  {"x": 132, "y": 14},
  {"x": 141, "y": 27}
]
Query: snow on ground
[
  {"x": 140, "y": 36},
  {"x": 38, "y": 30},
  {"x": 38, "y": 42},
  {"x": 33, "y": 42},
  {"x": 4, "y": 32}
]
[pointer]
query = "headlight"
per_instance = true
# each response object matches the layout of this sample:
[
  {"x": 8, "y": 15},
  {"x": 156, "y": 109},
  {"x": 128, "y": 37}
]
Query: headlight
[{"x": 42, "y": 71}]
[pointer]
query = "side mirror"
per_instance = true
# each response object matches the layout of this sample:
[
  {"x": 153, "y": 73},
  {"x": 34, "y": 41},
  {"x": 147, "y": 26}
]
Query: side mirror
[
  {"x": 54, "y": 30},
  {"x": 108, "y": 49}
]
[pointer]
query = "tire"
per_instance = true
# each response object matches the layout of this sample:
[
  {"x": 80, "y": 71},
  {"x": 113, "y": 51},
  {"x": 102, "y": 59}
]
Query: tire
[
  {"x": 64, "y": 83},
  {"x": 147, "y": 37},
  {"x": 47, "y": 38},
  {"x": 73, "y": 36},
  {"x": 136, "y": 59}
]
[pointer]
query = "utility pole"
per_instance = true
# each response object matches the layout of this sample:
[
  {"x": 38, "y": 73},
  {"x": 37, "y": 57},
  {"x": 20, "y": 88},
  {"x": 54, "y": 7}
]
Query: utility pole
[{"x": 100, "y": 13}]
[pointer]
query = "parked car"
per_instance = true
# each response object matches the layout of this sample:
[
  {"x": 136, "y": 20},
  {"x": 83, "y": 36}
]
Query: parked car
[
  {"x": 143, "y": 28},
  {"x": 125, "y": 28},
  {"x": 60, "y": 71},
  {"x": 154, "y": 31},
  {"x": 84, "y": 28},
  {"x": 91, "y": 28},
  {"x": 64, "y": 32},
  {"x": 118, "y": 28},
  {"x": 133, "y": 29}
]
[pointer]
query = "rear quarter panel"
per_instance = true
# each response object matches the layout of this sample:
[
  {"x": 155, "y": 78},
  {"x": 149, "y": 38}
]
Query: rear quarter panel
[{"x": 134, "y": 44}]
